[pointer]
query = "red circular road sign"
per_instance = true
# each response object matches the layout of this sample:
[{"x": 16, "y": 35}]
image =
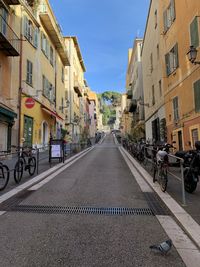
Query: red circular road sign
[{"x": 30, "y": 102}]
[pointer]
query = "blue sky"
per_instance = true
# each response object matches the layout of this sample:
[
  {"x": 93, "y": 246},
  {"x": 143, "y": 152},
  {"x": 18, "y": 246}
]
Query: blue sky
[{"x": 105, "y": 30}]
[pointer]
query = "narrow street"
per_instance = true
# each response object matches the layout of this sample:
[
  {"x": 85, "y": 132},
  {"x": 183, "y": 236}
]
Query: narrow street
[{"x": 67, "y": 221}]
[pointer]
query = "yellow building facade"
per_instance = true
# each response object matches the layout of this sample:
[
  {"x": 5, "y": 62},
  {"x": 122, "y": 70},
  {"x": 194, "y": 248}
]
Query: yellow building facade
[
  {"x": 75, "y": 86},
  {"x": 9, "y": 74},
  {"x": 42, "y": 72},
  {"x": 180, "y": 24}
]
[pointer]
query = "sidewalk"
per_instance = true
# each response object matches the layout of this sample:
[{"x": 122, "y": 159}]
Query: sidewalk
[{"x": 191, "y": 227}]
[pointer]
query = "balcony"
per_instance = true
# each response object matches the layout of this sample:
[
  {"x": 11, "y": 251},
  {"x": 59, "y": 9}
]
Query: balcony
[
  {"x": 78, "y": 91},
  {"x": 133, "y": 106},
  {"x": 9, "y": 41},
  {"x": 9, "y": 2},
  {"x": 52, "y": 28},
  {"x": 129, "y": 94}
]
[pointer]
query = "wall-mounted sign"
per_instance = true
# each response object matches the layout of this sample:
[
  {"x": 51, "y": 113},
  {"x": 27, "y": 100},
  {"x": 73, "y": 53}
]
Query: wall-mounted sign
[{"x": 29, "y": 102}]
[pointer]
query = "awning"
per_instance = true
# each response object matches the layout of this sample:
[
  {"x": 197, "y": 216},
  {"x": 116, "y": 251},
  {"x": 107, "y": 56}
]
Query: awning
[
  {"x": 8, "y": 112},
  {"x": 52, "y": 113}
]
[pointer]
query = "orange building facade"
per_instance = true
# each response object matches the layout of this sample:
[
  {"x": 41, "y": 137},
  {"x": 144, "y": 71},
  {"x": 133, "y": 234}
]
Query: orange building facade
[{"x": 180, "y": 27}]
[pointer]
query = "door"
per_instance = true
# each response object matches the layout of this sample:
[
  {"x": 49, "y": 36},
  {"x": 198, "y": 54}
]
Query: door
[
  {"x": 3, "y": 136},
  {"x": 28, "y": 131},
  {"x": 180, "y": 141},
  {"x": 44, "y": 133}
]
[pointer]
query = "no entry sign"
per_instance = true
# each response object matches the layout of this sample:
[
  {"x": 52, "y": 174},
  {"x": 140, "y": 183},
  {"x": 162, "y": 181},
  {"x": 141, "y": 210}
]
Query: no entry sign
[{"x": 30, "y": 102}]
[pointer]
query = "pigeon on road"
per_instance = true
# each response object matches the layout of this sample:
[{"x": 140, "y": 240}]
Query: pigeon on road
[{"x": 163, "y": 247}]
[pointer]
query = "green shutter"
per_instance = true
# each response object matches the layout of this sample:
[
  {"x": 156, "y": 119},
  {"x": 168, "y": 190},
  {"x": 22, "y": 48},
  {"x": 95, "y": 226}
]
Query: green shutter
[
  {"x": 165, "y": 21},
  {"x": 172, "y": 9},
  {"x": 176, "y": 56},
  {"x": 197, "y": 95},
  {"x": 194, "y": 35},
  {"x": 167, "y": 64}
]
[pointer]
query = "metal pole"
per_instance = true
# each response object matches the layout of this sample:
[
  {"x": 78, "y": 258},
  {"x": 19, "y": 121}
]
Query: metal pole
[
  {"x": 37, "y": 160},
  {"x": 183, "y": 184}
]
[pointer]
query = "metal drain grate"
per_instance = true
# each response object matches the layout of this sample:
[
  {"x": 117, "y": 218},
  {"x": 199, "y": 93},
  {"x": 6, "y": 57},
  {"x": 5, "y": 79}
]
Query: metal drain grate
[
  {"x": 155, "y": 204},
  {"x": 15, "y": 200},
  {"x": 82, "y": 210}
]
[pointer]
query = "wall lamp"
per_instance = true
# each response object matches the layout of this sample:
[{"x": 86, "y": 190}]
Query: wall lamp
[{"x": 192, "y": 55}]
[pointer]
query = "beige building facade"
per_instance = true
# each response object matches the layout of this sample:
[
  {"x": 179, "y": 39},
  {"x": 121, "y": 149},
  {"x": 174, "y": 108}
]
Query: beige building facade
[{"x": 155, "y": 122}]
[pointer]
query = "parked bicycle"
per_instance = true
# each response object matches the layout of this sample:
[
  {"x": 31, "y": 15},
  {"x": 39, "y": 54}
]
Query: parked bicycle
[
  {"x": 26, "y": 162},
  {"x": 161, "y": 165},
  {"x": 4, "y": 176}
]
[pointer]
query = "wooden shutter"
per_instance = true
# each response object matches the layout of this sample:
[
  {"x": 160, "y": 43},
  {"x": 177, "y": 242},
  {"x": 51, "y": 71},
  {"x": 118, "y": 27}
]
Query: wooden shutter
[
  {"x": 197, "y": 95},
  {"x": 194, "y": 34},
  {"x": 167, "y": 64},
  {"x": 165, "y": 21}
]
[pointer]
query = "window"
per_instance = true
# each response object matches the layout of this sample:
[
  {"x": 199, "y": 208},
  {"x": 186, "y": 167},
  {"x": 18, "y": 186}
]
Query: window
[
  {"x": 169, "y": 16},
  {"x": 160, "y": 87},
  {"x": 151, "y": 62},
  {"x": 194, "y": 33},
  {"x": 51, "y": 55},
  {"x": 4, "y": 19},
  {"x": 175, "y": 108},
  {"x": 45, "y": 47},
  {"x": 62, "y": 75},
  {"x": 153, "y": 95},
  {"x": 194, "y": 136},
  {"x": 156, "y": 19},
  {"x": 29, "y": 72},
  {"x": 62, "y": 104},
  {"x": 197, "y": 96},
  {"x": 48, "y": 89},
  {"x": 30, "y": 32},
  {"x": 171, "y": 60},
  {"x": 158, "y": 51}
]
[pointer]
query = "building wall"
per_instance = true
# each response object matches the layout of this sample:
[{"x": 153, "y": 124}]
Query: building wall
[
  {"x": 9, "y": 82},
  {"x": 180, "y": 82},
  {"x": 152, "y": 70}
]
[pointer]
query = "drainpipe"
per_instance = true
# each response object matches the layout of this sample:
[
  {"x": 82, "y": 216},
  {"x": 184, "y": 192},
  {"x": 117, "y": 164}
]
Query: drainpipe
[{"x": 20, "y": 79}]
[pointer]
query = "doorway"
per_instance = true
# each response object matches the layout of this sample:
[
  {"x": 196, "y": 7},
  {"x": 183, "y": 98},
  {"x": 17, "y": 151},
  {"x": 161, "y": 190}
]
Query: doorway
[
  {"x": 44, "y": 133},
  {"x": 180, "y": 140},
  {"x": 28, "y": 131}
]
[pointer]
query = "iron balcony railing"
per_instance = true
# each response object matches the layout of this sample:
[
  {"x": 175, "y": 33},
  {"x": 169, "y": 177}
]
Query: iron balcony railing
[{"x": 9, "y": 41}]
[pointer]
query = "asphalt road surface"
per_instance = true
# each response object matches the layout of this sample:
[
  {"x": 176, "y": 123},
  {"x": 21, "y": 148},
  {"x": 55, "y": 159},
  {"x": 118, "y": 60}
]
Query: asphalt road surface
[{"x": 67, "y": 221}]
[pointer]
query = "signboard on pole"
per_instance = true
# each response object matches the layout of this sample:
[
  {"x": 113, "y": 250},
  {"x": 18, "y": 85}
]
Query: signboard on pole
[
  {"x": 56, "y": 150},
  {"x": 29, "y": 102}
]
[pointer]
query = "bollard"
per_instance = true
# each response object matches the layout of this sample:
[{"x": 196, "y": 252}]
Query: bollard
[
  {"x": 37, "y": 159},
  {"x": 183, "y": 184}
]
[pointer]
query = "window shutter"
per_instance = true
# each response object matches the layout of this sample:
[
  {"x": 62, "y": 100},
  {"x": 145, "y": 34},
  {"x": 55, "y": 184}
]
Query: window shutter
[
  {"x": 197, "y": 96},
  {"x": 173, "y": 13},
  {"x": 165, "y": 21},
  {"x": 194, "y": 33},
  {"x": 35, "y": 40},
  {"x": 25, "y": 26},
  {"x": 167, "y": 63},
  {"x": 176, "y": 56}
]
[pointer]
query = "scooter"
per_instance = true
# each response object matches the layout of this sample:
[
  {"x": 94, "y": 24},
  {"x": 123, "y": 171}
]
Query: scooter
[{"x": 192, "y": 167}]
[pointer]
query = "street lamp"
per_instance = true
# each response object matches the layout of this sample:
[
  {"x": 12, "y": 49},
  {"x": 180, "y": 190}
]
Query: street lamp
[{"x": 192, "y": 55}]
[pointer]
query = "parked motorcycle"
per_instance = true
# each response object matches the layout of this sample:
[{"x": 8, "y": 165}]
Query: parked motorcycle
[{"x": 192, "y": 167}]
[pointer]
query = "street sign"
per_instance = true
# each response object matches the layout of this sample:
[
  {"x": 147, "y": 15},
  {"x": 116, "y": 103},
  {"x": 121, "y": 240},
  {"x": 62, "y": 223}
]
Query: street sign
[
  {"x": 29, "y": 102},
  {"x": 56, "y": 150}
]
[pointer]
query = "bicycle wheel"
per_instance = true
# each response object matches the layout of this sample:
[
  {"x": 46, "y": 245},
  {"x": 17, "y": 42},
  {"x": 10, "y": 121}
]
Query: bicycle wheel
[
  {"x": 4, "y": 176},
  {"x": 32, "y": 165},
  {"x": 163, "y": 180},
  {"x": 18, "y": 171}
]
